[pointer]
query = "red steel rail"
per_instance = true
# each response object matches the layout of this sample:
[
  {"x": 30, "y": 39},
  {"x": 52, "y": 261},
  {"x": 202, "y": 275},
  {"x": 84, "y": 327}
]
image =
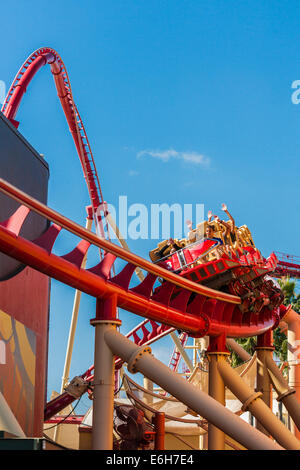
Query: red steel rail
[
  {"x": 107, "y": 246},
  {"x": 208, "y": 312},
  {"x": 288, "y": 265},
  {"x": 30, "y": 67},
  {"x": 96, "y": 281}
]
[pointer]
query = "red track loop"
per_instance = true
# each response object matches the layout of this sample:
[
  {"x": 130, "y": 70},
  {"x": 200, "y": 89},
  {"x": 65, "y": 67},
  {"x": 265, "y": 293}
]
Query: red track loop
[{"x": 35, "y": 61}]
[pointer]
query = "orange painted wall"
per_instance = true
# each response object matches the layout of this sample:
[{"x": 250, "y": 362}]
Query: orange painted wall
[{"x": 24, "y": 312}]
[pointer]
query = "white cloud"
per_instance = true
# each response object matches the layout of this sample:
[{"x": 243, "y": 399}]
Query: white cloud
[
  {"x": 187, "y": 156},
  {"x": 133, "y": 173}
]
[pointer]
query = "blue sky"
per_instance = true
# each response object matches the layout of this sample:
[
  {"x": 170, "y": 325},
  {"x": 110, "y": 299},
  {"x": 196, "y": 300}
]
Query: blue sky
[{"x": 211, "y": 79}]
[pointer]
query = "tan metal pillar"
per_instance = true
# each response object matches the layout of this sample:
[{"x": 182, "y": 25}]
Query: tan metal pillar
[
  {"x": 148, "y": 385},
  {"x": 203, "y": 343},
  {"x": 140, "y": 359},
  {"x": 292, "y": 319},
  {"x": 216, "y": 352},
  {"x": 104, "y": 378},
  {"x": 180, "y": 348},
  {"x": 252, "y": 402},
  {"x": 264, "y": 350},
  {"x": 286, "y": 394},
  {"x": 241, "y": 352},
  {"x": 73, "y": 325},
  {"x": 115, "y": 228},
  {"x": 74, "y": 319}
]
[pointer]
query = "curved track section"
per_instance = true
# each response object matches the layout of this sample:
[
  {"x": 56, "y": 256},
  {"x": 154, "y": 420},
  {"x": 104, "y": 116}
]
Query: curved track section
[
  {"x": 195, "y": 309},
  {"x": 148, "y": 330},
  {"x": 33, "y": 63}
]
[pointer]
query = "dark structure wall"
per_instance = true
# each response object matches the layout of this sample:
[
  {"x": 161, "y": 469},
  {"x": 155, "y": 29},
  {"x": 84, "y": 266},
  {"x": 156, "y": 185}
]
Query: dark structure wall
[
  {"x": 23, "y": 167},
  {"x": 24, "y": 292}
]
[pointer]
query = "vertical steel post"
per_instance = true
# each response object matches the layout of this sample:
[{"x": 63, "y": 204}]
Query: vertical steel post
[
  {"x": 252, "y": 402},
  {"x": 285, "y": 395},
  {"x": 216, "y": 352},
  {"x": 148, "y": 385},
  {"x": 264, "y": 349},
  {"x": 293, "y": 356},
  {"x": 159, "y": 425},
  {"x": 140, "y": 359},
  {"x": 104, "y": 378},
  {"x": 72, "y": 329}
]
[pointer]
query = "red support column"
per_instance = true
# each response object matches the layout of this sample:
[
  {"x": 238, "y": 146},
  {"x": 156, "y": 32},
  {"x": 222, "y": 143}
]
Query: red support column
[{"x": 159, "y": 425}]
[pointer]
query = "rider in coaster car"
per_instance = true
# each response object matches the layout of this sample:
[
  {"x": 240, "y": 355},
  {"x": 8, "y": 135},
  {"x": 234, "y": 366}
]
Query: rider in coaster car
[
  {"x": 174, "y": 247},
  {"x": 209, "y": 233},
  {"x": 230, "y": 234}
]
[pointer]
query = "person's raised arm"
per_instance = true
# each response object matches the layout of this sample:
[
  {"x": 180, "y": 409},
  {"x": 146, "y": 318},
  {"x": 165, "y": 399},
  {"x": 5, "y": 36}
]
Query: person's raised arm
[
  {"x": 224, "y": 208},
  {"x": 222, "y": 222}
]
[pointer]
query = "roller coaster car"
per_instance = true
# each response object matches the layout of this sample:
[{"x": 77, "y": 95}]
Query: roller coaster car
[{"x": 241, "y": 271}]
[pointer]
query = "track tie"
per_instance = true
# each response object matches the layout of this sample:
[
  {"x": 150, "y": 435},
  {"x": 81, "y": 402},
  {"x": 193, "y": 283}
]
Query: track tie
[
  {"x": 123, "y": 278},
  {"x": 47, "y": 239},
  {"x": 15, "y": 221},
  {"x": 196, "y": 305},
  {"x": 163, "y": 293},
  {"x": 77, "y": 255},
  {"x": 181, "y": 300},
  {"x": 103, "y": 268},
  {"x": 145, "y": 287}
]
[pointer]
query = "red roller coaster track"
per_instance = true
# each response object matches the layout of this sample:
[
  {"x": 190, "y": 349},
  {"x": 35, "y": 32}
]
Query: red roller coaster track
[
  {"x": 209, "y": 312},
  {"x": 196, "y": 309},
  {"x": 30, "y": 67},
  {"x": 288, "y": 265}
]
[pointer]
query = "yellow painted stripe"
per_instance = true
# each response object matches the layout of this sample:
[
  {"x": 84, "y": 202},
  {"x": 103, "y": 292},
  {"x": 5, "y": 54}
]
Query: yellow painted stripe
[
  {"x": 27, "y": 354},
  {"x": 5, "y": 325}
]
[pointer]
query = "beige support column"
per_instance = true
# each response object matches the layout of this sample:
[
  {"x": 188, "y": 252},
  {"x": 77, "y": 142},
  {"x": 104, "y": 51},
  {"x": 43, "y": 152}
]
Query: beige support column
[
  {"x": 180, "y": 348},
  {"x": 148, "y": 385},
  {"x": 104, "y": 378},
  {"x": 286, "y": 394},
  {"x": 292, "y": 319},
  {"x": 264, "y": 350},
  {"x": 204, "y": 342},
  {"x": 195, "y": 348},
  {"x": 72, "y": 331},
  {"x": 73, "y": 323},
  {"x": 115, "y": 228},
  {"x": 216, "y": 389},
  {"x": 241, "y": 352},
  {"x": 202, "y": 345},
  {"x": 252, "y": 402},
  {"x": 140, "y": 359}
]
